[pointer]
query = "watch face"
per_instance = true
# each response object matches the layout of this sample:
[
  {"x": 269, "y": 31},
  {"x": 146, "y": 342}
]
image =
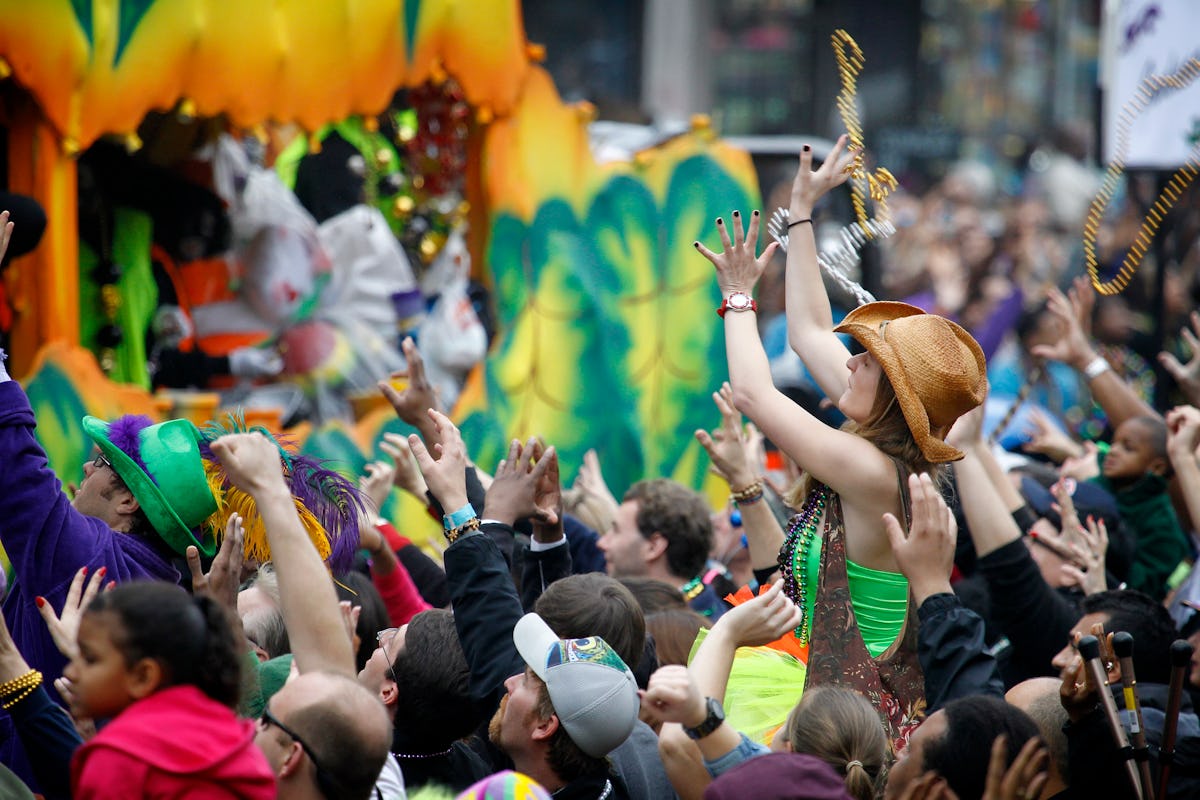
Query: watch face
[{"x": 739, "y": 301}]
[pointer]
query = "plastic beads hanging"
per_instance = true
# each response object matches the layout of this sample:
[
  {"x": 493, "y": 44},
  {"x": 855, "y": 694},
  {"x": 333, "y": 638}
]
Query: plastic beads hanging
[
  {"x": 877, "y": 184},
  {"x": 1183, "y": 177}
]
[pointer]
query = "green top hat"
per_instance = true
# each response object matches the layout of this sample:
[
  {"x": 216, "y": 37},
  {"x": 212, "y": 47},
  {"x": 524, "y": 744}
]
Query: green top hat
[{"x": 173, "y": 490}]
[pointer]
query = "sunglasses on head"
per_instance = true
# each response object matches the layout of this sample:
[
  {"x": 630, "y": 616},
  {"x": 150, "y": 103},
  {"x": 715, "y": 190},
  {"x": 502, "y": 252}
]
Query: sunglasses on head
[{"x": 326, "y": 783}]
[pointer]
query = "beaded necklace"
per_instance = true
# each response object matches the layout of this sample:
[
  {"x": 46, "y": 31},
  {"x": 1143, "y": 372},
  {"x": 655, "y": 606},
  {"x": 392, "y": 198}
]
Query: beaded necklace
[
  {"x": 793, "y": 556},
  {"x": 692, "y": 589}
]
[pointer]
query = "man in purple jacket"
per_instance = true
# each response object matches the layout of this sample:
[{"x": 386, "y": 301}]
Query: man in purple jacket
[{"x": 139, "y": 502}]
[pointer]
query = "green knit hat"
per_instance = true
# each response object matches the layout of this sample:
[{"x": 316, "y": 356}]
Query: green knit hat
[{"x": 162, "y": 466}]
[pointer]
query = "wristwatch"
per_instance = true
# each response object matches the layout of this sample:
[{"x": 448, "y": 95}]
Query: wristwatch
[
  {"x": 716, "y": 715},
  {"x": 737, "y": 301}
]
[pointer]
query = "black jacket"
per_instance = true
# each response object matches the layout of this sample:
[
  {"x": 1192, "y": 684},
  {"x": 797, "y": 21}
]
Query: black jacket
[{"x": 953, "y": 657}]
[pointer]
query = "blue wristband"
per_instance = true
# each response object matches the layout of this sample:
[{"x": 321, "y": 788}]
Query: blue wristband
[{"x": 458, "y": 518}]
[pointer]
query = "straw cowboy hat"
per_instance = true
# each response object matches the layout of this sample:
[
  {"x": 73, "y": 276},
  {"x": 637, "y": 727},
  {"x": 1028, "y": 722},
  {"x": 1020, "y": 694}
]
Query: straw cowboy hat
[{"x": 936, "y": 369}]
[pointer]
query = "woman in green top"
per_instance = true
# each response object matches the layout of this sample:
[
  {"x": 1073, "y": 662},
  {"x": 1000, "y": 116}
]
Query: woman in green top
[{"x": 918, "y": 374}]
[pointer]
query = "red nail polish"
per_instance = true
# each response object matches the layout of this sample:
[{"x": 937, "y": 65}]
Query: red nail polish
[
  {"x": 41, "y": 601},
  {"x": 102, "y": 571},
  {"x": 84, "y": 570},
  {"x": 110, "y": 585},
  {"x": 1033, "y": 534}
]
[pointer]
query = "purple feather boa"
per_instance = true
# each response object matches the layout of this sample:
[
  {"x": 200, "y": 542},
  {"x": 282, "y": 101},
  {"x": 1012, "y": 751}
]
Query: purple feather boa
[{"x": 125, "y": 434}]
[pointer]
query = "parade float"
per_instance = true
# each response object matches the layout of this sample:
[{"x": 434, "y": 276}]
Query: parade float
[{"x": 604, "y": 328}]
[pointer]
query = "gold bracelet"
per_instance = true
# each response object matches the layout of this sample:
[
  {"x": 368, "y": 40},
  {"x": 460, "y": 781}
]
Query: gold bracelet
[
  {"x": 750, "y": 494},
  {"x": 7, "y": 704},
  {"x": 470, "y": 525},
  {"x": 31, "y": 678}
]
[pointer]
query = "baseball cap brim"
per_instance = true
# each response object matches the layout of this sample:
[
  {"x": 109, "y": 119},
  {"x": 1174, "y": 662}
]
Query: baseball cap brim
[{"x": 533, "y": 639}]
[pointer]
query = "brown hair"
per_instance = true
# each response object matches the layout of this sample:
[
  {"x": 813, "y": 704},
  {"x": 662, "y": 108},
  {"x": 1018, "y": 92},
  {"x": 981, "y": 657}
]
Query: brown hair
[
  {"x": 840, "y": 726},
  {"x": 887, "y": 429},
  {"x": 565, "y": 758},
  {"x": 674, "y": 632},
  {"x": 681, "y": 516},
  {"x": 593, "y": 604}
]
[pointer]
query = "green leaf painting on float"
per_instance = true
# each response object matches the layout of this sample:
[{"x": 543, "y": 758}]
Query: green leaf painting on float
[
  {"x": 552, "y": 370},
  {"x": 609, "y": 339}
]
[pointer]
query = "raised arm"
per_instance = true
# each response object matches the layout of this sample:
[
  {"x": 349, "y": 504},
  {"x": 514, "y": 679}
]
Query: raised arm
[
  {"x": 809, "y": 316},
  {"x": 1074, "y": 348},
  {"x": 1183, "y": 426},
  {"x": 728, "y": 447},
  {"x": 306, "y": 595},
  {"x": 848, "y": 463}
]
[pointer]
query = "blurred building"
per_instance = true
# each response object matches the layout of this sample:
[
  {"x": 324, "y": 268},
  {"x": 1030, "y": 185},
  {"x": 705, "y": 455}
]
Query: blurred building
[{"x": 943, "y": 79}]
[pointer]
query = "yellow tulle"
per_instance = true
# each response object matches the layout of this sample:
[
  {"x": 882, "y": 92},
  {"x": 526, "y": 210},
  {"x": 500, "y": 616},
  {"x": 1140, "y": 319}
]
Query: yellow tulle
[{"x": 764, "y": 686}]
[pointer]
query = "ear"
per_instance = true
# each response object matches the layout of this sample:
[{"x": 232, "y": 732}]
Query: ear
[
  {"x": 144, "y": 678},
  {"x": 1159, "y": 466},
  {"x": 291, "y": 764},
  {"x": 126, "y": 503},
  {"x": 544, "y": 728},
  {"x": 388, "y": 693},
  {"x": 655, "y": 547}
]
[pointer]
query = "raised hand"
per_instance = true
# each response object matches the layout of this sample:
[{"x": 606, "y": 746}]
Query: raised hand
[
  {"x": 547, "y": 497},
  {"x": 1083, "y": 467},
  {"x": 224, "y": 574},
  {"x": 1048, "y": 439},
  {"x": 1073, "y": 345},
  {"x": 926, "y": 555},
  {"x": 406, "y": 474},
  {"x": 251, "y": 461},
  {"x": 729, "y": 446},
  {"x": 1183, "y": 434},
  {"x": 738, "y": 270},
  {"x": 414, "y": 401},
  {"x": 1089, "y": 554},
  {"x": 1186, "y": 375},
  {"x": 591, "y": 480},
  {"x": 809, "y": 185},
  {"x": 518, "y": 485},
  {"x": 64, "y": 628},
  {"x": 376, "y": 484},
  {"x": 446, "y": 476},
  {"x": 761, "y": 620}
]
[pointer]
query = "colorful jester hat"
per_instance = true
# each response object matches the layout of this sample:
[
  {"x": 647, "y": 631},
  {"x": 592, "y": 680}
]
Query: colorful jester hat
[
  {"x": 330, "y": 506},
  {"x": 179, "y": 483}
]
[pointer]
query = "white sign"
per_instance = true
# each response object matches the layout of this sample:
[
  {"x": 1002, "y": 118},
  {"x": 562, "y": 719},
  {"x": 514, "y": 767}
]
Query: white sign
[{"x": 1144, "y": 38}]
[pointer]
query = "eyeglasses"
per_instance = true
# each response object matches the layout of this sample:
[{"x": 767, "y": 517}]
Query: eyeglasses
[
  {"x": 326, "y": 782},
  {"x": 101, "y": 461},
  {"x": 388, "y": 634}
]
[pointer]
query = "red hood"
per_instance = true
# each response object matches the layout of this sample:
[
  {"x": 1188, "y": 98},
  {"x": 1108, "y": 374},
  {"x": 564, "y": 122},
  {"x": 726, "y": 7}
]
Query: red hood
[{"x": 182, "y": 731}]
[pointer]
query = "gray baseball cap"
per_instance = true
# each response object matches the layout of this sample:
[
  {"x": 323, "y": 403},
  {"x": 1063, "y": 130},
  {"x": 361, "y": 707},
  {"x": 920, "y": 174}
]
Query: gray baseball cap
[{"x": 592, "y": 690}]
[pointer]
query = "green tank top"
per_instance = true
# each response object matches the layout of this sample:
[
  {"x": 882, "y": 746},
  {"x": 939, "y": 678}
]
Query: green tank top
[{"x": 879, "y": 600}]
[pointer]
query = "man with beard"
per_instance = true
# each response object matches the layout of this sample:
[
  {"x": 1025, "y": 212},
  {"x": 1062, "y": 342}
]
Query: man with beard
[{"x": 560, "y": 706}]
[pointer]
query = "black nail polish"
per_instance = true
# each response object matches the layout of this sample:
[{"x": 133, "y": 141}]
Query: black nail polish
[
  {"x": 719, "y": 222},
  {"x": 736, "y": 214},
  {"x": 696, "y": 245},
  {"x": 756, "y": 213},
  {"x": 807, "y": 148}
]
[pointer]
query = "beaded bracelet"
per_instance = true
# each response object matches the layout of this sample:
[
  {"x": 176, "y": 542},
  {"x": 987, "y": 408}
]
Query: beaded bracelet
[
  {"x": 458, "y": 518},
  {"x": 16, "y": 690},
  {"x": 799, "y": 222},
  {"x": 470, "y": 525},
  {"x": 751, "y": 494}
]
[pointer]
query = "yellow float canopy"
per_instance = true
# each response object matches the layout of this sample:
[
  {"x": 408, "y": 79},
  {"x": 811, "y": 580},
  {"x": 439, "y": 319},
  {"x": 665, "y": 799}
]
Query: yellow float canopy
[{"x": 97, "y": 67}]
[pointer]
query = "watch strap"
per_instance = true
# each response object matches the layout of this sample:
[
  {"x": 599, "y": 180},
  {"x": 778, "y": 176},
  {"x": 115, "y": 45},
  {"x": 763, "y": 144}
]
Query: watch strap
[{"x": 716, "y": 716}]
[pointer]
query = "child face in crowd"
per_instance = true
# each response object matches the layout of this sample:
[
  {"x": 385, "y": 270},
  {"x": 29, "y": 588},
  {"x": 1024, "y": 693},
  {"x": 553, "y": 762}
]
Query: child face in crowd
[
  {"x": 1133, "y": 453},
  {"x": 102, "y": 684}
]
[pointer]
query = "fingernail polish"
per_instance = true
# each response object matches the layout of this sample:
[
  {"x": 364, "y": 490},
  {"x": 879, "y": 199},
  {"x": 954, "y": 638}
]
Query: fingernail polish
[
  {"x": 756, "y": 213},
  {"x": 719, "y": 221},
  {"x": 83, "y": 570},
  {"x": 102, "y": 571},
  {"x": 1033, "y": 534},
  {"x": 41, "y": 601},
  {"x": 807, "y": 148},
  {"x": 736, "y": 214},
  {"x": 696, "y": 245}
]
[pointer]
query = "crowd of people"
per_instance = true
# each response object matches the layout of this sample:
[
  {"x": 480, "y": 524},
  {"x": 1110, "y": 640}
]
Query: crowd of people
[{"x": 902, "y": 607}]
